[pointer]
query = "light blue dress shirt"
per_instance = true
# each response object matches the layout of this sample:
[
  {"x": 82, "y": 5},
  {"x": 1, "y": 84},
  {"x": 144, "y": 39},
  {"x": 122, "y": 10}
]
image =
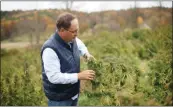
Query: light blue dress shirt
[{"x": 52, "y": 66}]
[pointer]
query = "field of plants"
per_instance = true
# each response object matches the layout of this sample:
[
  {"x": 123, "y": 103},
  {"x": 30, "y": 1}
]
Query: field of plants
[{"x": 132, "y": 68}]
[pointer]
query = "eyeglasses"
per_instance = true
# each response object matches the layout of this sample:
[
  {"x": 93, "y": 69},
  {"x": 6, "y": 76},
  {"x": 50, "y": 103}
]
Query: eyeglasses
[{"x": 75, "y": 31}]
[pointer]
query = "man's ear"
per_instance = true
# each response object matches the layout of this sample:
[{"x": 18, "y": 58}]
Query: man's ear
[{"x": 62, "y": 30}]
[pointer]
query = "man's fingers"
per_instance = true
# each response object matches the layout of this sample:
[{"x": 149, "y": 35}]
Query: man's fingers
[
  {"x": 91, "y": 78},
  {"x": 92, "y": 73},
  {"x": 89, "y": 57}
]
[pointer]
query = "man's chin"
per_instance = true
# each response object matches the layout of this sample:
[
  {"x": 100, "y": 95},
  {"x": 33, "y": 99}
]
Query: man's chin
[{"x": 74, "y": 38}]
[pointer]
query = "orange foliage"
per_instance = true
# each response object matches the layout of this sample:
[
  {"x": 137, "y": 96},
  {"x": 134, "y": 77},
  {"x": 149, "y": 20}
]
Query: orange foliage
[
  {"x": 163, "y": 22},
  {"x": 83, "y": 27},
  {"x": 121, "y": 21},
  {"x": 51, "y": 27},
  {"x": 140, "y": 20},
  {"x": 48, "y": 20},
  {"x": 21, "y": 14},
  {"x": 7, "y": 28}
]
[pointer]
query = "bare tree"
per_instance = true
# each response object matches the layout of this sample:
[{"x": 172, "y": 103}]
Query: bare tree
[
  {"x": 41, "y": 27},
  {"x": 160, "y": 9},
  {"x": 160, "y": 3},
  {"x": 135, "y": 14},
  {"x": 68, "y": 4},
  {"x": 135, "y": 4},
  {"x": 38, "y": 30},
  {"x": 31, "y": 27},
  {"x": 28, "y": 27},
  {"x": 133, "y": 18}
]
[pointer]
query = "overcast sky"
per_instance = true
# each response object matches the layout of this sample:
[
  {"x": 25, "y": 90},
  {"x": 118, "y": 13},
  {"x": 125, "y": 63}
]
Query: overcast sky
[{"x": 86, "y": 6}]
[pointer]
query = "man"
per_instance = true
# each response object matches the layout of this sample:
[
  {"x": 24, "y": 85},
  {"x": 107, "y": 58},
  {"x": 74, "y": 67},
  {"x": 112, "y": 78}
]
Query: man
[{"x": 60, "y": 56}]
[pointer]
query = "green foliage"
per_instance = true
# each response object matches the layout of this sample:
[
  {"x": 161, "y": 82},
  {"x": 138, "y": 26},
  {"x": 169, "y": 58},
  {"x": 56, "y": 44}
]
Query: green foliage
[
  {"x": 140, "y": 34},
  {"x": 130, "y": 70},
  {"x": 119, "y": 78},
  {"x": 136, "y": 34},
  {"x": 144, "y": 54},
  {"x": 97, "y": 67},
  {"x": 21, "y": 80},
  {"x": 3, "y": 14},
  {"x": 4, "y": 52},
  {"x": 161, "y": 68}
]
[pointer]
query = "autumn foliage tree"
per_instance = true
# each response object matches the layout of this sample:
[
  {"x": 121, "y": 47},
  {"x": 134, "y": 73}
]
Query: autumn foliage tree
[{"x": 7, "y": 29}]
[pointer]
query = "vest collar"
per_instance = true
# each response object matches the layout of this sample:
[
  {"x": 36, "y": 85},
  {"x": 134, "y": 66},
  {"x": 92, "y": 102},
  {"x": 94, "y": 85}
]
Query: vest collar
[{"x": 58, "y": 38}]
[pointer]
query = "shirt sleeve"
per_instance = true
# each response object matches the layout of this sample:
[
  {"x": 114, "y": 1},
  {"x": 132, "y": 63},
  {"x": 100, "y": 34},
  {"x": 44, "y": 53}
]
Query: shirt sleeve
[
  {"x": 52, "y": 65},
  {"x": 81, "y": 46}
]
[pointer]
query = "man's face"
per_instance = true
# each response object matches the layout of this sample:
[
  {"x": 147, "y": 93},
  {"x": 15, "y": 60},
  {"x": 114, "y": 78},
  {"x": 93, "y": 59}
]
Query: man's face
[{"x": 72, "y": 32}]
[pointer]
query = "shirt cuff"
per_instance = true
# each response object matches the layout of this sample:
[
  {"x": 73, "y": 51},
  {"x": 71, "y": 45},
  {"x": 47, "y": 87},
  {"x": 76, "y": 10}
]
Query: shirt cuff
[
  {"x": 74, "y": 78},
  {"x": 84, "y": 52}
]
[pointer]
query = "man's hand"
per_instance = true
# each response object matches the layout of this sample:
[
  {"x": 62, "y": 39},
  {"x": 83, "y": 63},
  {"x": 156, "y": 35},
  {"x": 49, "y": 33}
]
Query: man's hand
[
  {"x": 86, "y": 75},
  {"x": 88, "y": 57}
]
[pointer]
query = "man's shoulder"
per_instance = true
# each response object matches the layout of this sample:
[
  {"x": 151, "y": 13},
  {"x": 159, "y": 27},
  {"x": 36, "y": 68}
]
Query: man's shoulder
[
  {"x": 49, "y": 41},
  {"x": 49, "y": 51}
]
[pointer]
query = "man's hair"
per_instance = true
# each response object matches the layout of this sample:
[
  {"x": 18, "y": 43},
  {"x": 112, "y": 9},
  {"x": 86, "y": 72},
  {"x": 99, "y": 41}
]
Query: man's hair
[{"x": 64, "y": 20}]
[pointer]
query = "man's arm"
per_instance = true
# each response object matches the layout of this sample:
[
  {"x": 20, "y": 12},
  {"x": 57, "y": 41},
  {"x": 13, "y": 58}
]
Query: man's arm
[
  {"x": 83, "y": 49},
  {"x": 52, "y": 65},
  {"x": 81, "y": 46},
  {"x": 52, "y": 69}
]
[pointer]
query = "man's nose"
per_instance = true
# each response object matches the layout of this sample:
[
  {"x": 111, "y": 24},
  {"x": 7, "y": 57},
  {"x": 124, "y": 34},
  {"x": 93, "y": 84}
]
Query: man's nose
[{"x": 75, "y": 34}]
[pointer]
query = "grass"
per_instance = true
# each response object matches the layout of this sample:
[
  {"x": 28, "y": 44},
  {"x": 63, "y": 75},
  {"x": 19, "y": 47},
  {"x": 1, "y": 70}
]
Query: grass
[{"x": 127, "y": 73}]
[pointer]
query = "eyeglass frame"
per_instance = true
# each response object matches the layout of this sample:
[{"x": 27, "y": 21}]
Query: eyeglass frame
[{"x": 73, "y": 32}]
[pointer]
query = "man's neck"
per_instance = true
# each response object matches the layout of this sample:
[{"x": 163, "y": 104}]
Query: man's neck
[{"x": 62, "y": 37}]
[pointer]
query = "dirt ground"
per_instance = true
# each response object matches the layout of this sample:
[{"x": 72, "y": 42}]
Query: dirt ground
[{"x": 14, "y": 45}]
